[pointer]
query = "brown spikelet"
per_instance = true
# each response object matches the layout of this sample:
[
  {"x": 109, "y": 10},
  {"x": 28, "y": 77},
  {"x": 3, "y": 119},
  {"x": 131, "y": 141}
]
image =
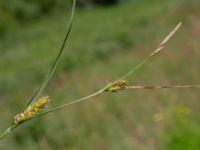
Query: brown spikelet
[
  {"x": 31, "y": 110},
  {"x": 116, "y": 86}
]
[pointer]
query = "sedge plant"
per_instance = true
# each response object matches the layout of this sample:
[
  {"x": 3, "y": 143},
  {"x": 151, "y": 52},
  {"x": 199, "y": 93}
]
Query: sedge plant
[{"x": 36, "y": 106}]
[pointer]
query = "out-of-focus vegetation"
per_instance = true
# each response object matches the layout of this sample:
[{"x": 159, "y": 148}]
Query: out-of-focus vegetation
[
  {"x": 14, "y": 12},
  {"x": 105, "y": 42},
  {"x": 19, "y": 12},
  {"x": 97, "y": 2}
]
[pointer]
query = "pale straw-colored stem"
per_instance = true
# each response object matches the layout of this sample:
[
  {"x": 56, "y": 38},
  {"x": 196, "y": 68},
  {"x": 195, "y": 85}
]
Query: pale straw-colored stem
[{"x": 163, "y": 86}]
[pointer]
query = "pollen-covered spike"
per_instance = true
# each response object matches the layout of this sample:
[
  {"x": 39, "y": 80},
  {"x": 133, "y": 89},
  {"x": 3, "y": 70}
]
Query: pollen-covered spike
[
  {"x": 31, "y": 110},
  {"x": 41, "y": 102}
]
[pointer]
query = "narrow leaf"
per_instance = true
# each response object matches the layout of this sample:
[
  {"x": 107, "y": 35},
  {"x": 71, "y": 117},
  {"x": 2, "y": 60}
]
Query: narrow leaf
[{"x": 54, "y": 66}]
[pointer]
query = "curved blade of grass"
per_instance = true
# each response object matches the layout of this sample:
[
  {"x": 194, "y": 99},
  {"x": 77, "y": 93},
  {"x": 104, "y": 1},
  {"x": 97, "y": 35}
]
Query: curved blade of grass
[{"x": 54, "y": 66}]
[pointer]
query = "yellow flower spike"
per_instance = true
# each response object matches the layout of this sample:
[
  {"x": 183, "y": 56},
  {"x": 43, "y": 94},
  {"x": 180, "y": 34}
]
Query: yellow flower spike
[
  {"x": 19, "y": 118},
  {"x": 41, "y": 103},
  {"x": 31, "y": 110},
  {"x": 116, "y": 86}
]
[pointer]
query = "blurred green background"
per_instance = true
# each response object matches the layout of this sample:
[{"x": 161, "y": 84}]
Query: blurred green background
[{"x": 105, "y": 42}]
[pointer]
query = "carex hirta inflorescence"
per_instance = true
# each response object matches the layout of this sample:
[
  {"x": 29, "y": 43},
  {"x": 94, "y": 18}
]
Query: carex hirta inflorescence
[
  {"x": 31, "y": 110},
  {"x": 36, "y": 105}
]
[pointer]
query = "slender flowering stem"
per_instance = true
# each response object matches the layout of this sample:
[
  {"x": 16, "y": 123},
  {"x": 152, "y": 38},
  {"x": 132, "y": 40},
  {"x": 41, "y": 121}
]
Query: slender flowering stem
[
  {"x": 156, "y": 51},
  {"x": 71, "y": 103},
  {"x": 163, "y": 86},
  {"x": 52, "y": 110},
  {"x": 127, "y": 87},
  {"x": 113, "y": 84}
]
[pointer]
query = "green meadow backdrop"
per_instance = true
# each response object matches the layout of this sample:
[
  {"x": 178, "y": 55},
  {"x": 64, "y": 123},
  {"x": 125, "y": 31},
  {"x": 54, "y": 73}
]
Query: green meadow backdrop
[{"x": 106, "y": 41}]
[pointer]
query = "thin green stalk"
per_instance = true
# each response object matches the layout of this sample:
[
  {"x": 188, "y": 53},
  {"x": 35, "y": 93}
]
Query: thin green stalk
[
  {"x": 71, "y": 103},
  {"x": 52, "y": 110},
  {"x": 136, "y": 68},
  {"x": 127, "y": 87}
]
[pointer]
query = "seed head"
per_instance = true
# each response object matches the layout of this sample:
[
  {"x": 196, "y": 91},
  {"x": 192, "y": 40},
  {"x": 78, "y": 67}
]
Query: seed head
[
  {"x": 31, "y": 110},
  {"x": 116, "y": 86}
]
